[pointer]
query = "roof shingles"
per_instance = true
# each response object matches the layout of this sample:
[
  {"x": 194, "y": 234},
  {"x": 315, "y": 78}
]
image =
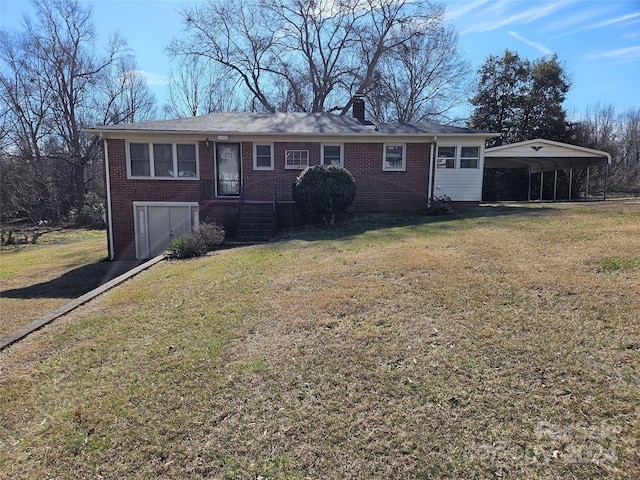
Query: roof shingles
[{"x": 284, "y": 124}]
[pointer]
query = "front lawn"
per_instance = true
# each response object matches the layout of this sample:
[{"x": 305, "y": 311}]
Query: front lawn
[
  {"x": 32, "y": 276},
  {"x": 503, "y": 342}
]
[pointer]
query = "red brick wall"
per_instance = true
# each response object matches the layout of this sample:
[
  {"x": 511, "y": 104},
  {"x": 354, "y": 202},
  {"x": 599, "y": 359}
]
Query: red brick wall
[
  {"x": 124, "y": 192},
  {"x": 379, "y": 190},
  {"x": 261, "y": 184},
  {"x": 376, "y": 190}
]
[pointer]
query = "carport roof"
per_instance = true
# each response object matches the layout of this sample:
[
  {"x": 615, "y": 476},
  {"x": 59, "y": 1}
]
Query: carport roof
[{"x": 543, "y": 156}]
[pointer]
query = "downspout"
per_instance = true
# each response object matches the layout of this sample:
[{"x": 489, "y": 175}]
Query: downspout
[
  {"x": 432, "y": 169},
  {"x": 429, "y": 177},
  {"x": 109, "y": 209}
]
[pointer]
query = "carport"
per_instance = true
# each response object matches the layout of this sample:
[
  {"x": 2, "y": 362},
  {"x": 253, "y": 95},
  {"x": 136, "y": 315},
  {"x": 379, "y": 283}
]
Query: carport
[{"x": 544, "y": 156}]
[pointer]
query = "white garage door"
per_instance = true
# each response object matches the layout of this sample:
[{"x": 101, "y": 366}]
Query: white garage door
[{"x": 157, "y": 224}]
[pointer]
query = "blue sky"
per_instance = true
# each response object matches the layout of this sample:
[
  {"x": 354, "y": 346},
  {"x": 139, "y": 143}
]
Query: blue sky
[{"x": 597, "y": 41}]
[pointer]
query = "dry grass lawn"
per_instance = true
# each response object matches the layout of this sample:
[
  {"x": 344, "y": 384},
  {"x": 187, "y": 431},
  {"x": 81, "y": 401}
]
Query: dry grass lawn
[
  {"x": 62, "y": 265},
  {"x": 502, "y": 343}
]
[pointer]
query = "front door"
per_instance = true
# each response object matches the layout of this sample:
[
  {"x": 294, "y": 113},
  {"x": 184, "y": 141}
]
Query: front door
[{"x": 228, "y": 168}]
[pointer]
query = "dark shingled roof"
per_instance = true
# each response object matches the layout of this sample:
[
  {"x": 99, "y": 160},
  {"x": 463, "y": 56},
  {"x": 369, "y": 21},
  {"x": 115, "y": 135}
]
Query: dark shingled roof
[{"x": 242, "y": 123}]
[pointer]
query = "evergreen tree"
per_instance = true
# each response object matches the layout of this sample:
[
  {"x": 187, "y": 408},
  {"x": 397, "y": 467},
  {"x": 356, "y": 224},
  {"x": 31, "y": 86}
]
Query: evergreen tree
[{"x": 521, "y": 100}]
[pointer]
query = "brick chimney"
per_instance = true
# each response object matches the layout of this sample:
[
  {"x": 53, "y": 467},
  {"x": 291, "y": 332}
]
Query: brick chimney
[{"x": 358, "y": 107}]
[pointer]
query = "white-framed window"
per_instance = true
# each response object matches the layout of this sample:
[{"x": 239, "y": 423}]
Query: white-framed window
[
  {"x": 296, "y": 159},
  {"x": 469, "y": 157},
  {"x": 162, "y": 160},
  {"x": 263, "y": 156},
  {"x": 331, "y": 154},
  {"x": 394, "y": 157},
  {"x": 446, "y": 157}
]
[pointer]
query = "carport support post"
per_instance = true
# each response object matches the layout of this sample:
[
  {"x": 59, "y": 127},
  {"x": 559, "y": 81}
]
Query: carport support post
[
  {"x": 570, "y": 181},
  {"x": 606, "y": 177},
  {"x": 555, "y": 184},
  {"x": 586, "y": 193},
  {"x": 529, "y": 192},
  {"x": 541, "y": 184}
]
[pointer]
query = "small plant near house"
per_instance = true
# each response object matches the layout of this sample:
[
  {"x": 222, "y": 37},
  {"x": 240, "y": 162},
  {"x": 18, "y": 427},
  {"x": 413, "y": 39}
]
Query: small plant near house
[
  {"x": 323, "y": 191},
  {"x": 197, "y": 242},
  {"x": 440, "y": 206}
]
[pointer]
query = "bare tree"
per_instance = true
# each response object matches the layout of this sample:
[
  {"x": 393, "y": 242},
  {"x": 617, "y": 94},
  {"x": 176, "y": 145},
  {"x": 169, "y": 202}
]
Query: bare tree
[
  {"x": 630, "y": 145},
  {"x": 303, "y": 55},
  {"x": 197, "y": 87},
  {"x": 125, "y": 96},
  {"x": 601, "y": 128},
  {"x": 25, "y": 95},
  {"x": 52, "y": 84},
  {"x": 424, "y": 79}
]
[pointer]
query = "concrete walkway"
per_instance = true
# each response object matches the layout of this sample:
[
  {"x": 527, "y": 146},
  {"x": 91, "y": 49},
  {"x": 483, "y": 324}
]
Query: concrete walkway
[{"x": 42, "y": 321}]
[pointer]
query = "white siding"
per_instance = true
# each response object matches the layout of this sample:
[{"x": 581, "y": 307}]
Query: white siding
[{"x": 461, "y": 185}]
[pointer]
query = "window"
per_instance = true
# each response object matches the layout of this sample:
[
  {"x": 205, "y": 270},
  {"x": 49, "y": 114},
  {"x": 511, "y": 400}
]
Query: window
[
  {"x": 163, "y": 160},
  {"x": 262, "y": 156},
  {"x": 139, "y": 157},
  {"x": 394, "y": 158},
  {"x": 446, "y": 157},
  {"x": 469, "y": 157},
  {"x": 296, "y": 159},
  {"x": 187, "y": 164},
  {"x": 332, "y": 155}
]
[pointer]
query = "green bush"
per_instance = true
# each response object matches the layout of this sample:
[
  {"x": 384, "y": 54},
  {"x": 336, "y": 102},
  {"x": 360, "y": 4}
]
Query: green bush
[
  {"x": 324, "y": 190},
  {"x": 199, "y": 241},
  {"x": 185, "y": 247}
]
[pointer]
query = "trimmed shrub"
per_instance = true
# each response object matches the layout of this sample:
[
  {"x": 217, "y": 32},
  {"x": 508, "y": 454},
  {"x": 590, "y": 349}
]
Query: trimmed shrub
[
  {"x": 197, "y": 242},
  {"x": 324, "y": 190}
]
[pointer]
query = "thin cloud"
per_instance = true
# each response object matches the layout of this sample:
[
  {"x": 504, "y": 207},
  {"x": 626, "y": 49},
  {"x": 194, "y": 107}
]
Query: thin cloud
[
  {"x": 154, "y": 78},
  {"x": 575, "y": 19},
  {"x": 612, "y": 21},
  {"x": 629, "y": 53},
  {"x": 526, "y": 16},
  {"x": 623, "y": 20},
  {"x": 465, "y": 9},
  {"x": 538, "y": 46}
]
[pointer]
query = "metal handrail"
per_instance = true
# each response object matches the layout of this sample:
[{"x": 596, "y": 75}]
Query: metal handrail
[{"x": 240, "y": 199}]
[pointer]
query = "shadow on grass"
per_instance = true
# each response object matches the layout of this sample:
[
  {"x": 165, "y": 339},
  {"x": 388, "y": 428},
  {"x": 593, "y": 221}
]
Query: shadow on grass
[
  {"x": 74, "y": 283},
  {"x": 350, "y": 224}
]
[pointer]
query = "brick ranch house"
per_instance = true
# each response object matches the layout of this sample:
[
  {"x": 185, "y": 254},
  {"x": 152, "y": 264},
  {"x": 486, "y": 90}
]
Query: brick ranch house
[{"x": 164, "y": 177}]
